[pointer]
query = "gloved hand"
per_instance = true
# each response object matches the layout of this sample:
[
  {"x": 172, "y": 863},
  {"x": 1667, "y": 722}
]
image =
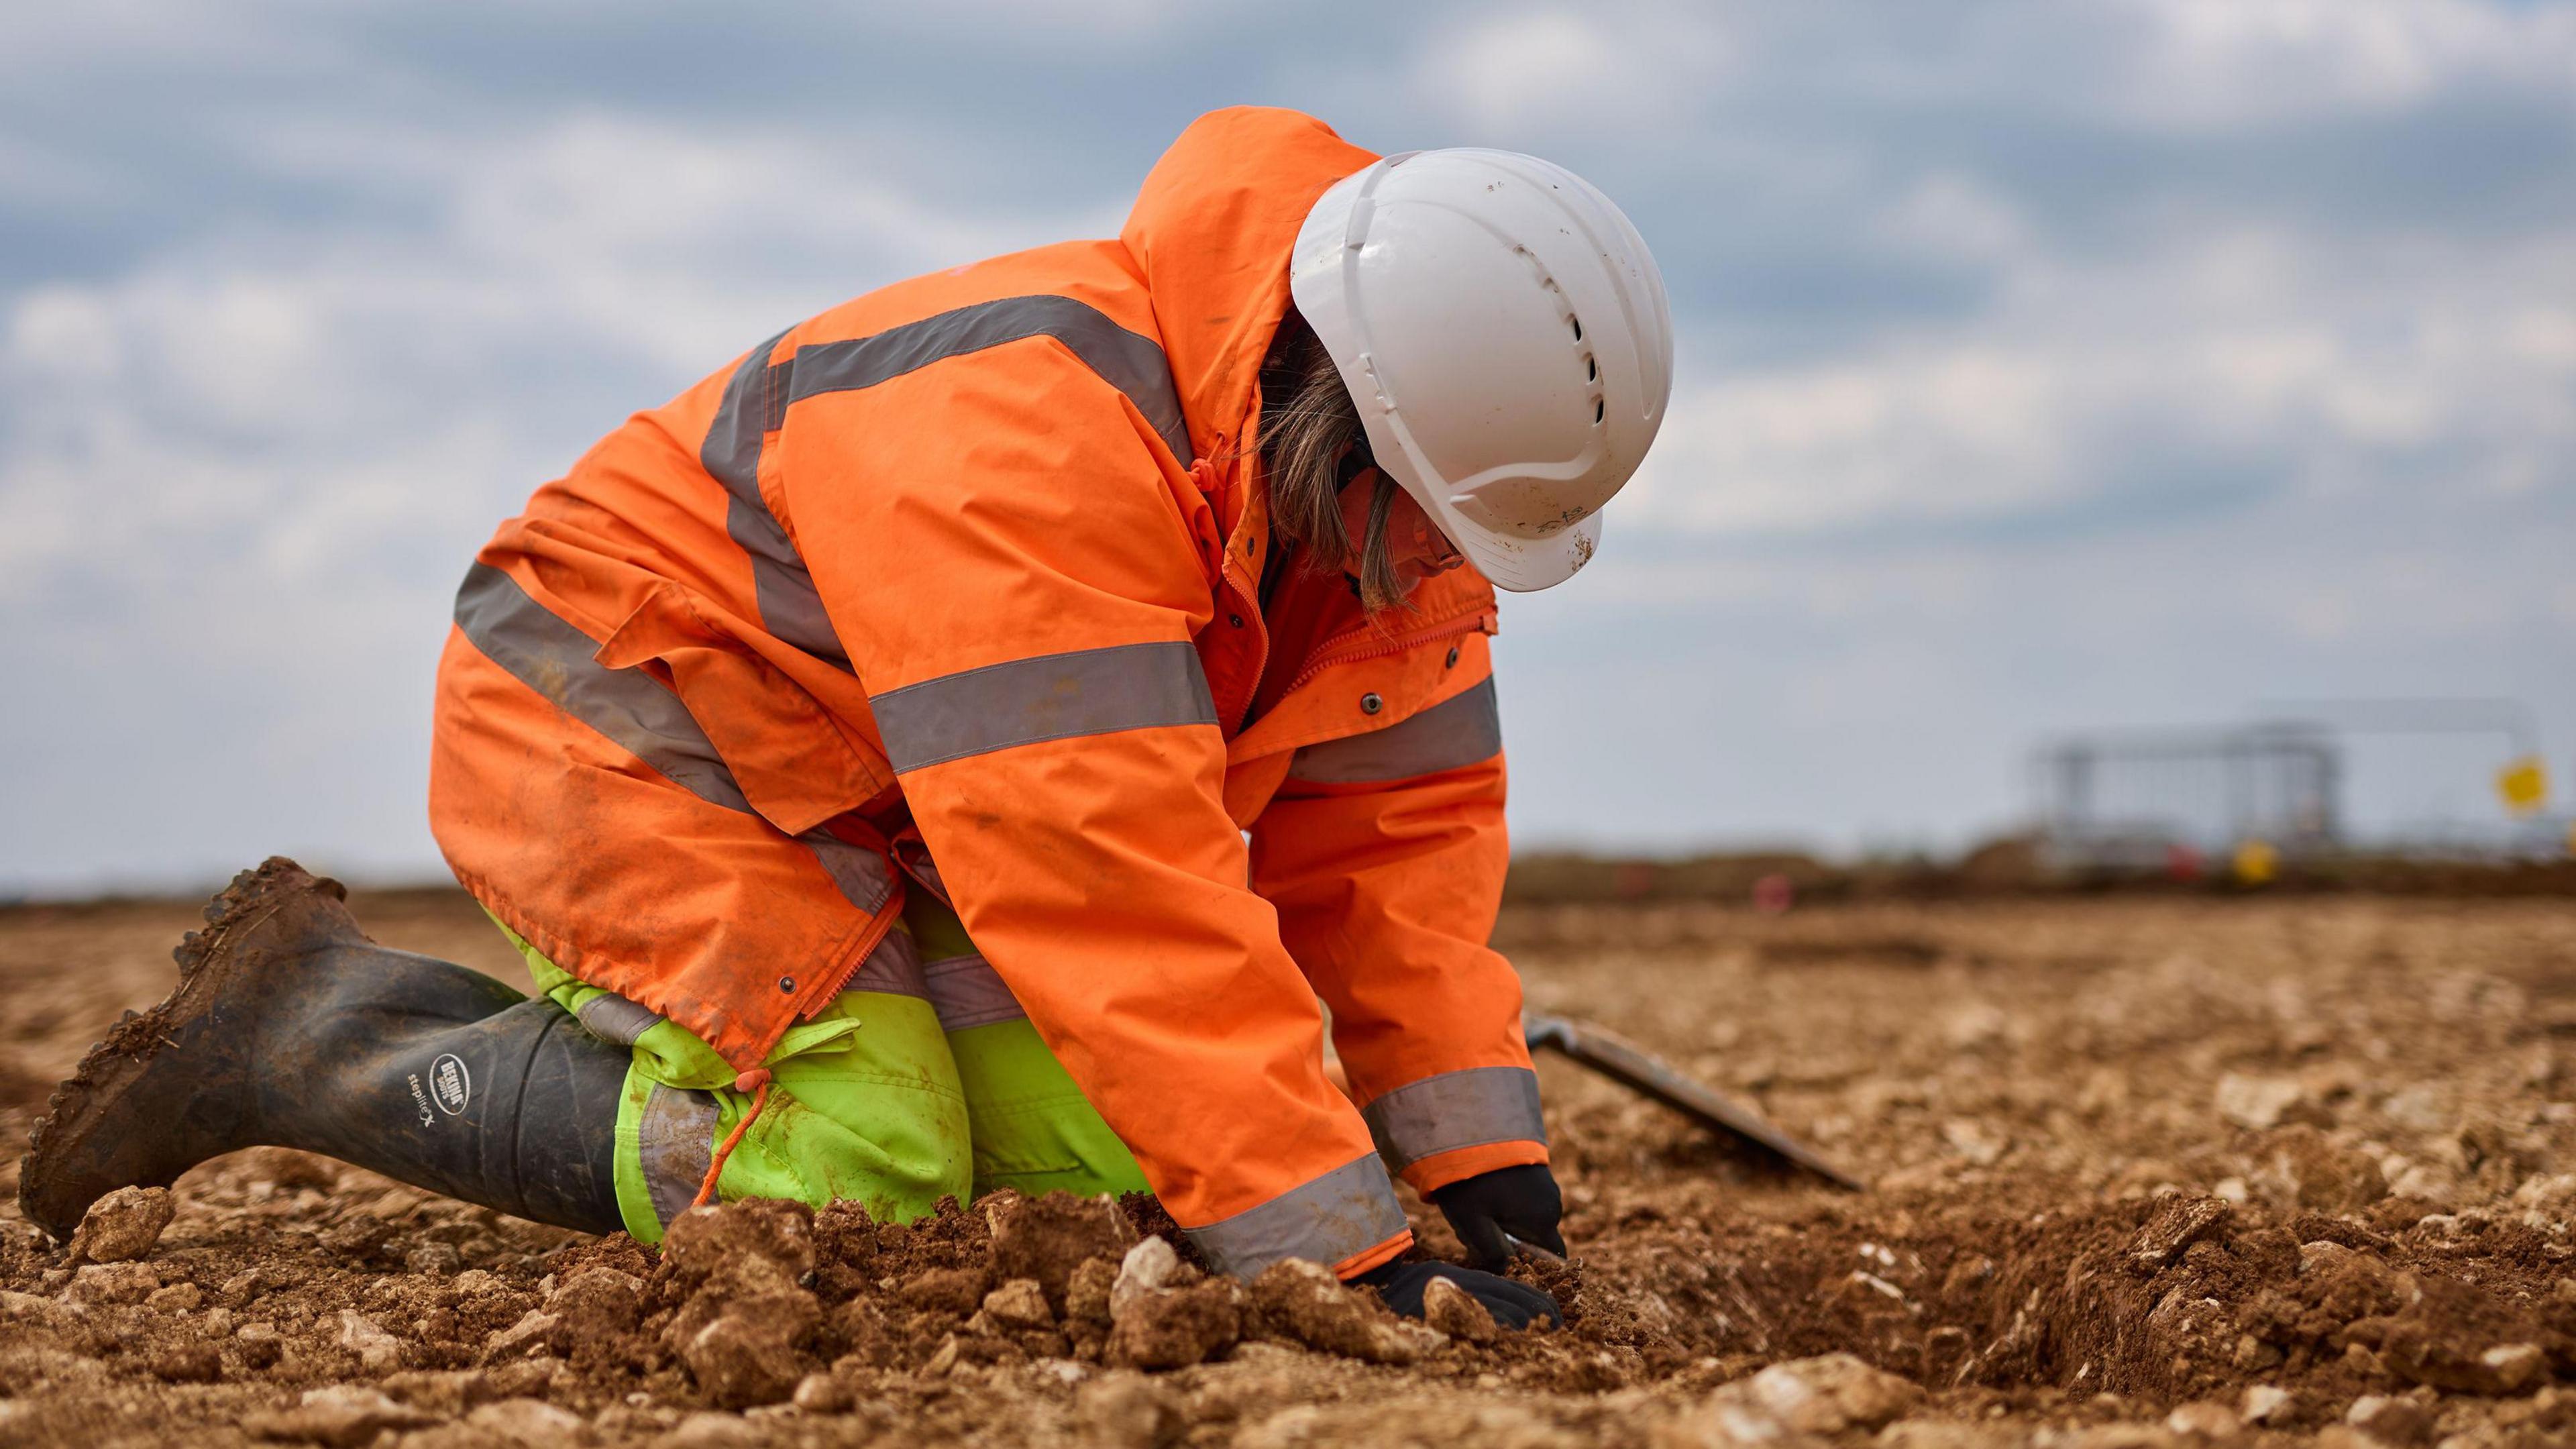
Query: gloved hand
[
  {"x": 1521, "y": 1201},
  {"x": 1514, "y": 1305}
]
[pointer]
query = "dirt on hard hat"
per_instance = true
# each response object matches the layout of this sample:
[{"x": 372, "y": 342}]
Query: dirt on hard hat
[{"x": 2146, "y": 1172}]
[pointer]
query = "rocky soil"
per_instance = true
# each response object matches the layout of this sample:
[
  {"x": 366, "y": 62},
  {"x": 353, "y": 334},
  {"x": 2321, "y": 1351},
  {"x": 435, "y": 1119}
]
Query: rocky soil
[{"x": 2148, "y": 1172}]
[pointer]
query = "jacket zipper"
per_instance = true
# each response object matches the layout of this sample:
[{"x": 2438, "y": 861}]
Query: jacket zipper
[
  {"x": 878, "y": 929},
  {"x": 1328, "y": 655}
]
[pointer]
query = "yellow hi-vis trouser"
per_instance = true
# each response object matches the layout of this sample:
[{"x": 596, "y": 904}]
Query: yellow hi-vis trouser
[{"x": 894, "y": 1101}]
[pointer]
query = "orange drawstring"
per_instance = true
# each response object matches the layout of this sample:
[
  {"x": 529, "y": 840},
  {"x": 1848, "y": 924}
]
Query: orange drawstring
[{"x": 756, "y": 1082}]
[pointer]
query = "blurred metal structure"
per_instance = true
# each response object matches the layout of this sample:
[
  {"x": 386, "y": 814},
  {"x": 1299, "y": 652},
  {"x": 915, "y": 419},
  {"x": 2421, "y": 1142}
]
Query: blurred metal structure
[
  {"x": 2169, "y": 799},
  {"x": 2130, "y": 800}
]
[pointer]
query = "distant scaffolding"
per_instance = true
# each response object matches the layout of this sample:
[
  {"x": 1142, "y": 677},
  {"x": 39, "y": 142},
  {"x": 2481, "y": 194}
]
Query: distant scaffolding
[{"x": 2130, "y": 800}]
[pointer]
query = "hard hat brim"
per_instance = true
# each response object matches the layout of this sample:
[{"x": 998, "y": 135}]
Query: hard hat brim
[{"x": 1508, "y": 561}]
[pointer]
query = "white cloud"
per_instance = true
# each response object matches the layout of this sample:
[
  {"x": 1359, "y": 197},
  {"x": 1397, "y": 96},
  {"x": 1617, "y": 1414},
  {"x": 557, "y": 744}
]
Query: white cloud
[
  {"x": 1585, "y": 68},
  {"x": 1937, "y": 433},
  {"x": 259, "y": 382},
  {"x": 2216, "y": 63},
  {"x": 2332, "y": 367},
  {"x": 1950, "y": 214}
]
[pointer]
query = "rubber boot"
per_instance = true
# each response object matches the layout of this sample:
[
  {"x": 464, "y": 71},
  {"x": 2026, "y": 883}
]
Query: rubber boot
[{"x": 291, "y": 1029}]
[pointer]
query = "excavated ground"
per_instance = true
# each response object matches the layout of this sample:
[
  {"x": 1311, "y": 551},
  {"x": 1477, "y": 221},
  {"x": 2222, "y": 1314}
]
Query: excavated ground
[{"x": 2148, "y": 1171}]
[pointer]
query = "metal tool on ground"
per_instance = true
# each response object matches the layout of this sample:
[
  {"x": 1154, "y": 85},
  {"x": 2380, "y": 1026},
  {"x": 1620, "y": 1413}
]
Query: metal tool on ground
[{"x": 1641, "y": 1071}]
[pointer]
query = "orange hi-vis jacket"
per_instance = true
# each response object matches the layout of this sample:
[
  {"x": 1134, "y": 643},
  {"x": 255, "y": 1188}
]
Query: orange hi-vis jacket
[{"x": 956, "y": 587}]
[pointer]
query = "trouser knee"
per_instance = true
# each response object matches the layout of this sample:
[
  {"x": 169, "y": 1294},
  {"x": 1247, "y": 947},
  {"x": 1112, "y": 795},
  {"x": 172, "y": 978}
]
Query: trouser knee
[{"x": 1034, "y": 1130}]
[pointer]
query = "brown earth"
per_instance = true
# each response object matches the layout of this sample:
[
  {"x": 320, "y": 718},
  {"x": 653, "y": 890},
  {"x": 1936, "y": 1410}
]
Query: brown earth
[{"x": 2148, "y": 1171}]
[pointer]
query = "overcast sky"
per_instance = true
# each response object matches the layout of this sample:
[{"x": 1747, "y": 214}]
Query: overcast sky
[{"x": 2042, "y": 365}]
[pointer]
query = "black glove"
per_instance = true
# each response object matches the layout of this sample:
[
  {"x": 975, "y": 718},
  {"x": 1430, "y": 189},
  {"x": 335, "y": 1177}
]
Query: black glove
[
  {"x": 1514, "y": 1305},
  {"x": 1521, "y": 1201}
]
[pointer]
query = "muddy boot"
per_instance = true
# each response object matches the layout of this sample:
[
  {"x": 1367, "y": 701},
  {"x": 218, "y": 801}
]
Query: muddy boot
[{"x": 291, "y": 1029}]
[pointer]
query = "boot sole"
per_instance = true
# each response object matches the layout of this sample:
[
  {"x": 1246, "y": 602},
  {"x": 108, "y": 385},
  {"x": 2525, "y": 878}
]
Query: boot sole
[{"x": 86, "y": 1102}]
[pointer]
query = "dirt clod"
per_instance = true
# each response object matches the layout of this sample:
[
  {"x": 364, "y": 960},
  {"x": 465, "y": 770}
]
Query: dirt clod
[
  {"x": 947, "y": 1290},
  {"x": 113, "y": 1283},
  {"x": 341, "y": 1416},
  {"x": 823, "y": 1394},
  {"x": 358, "y": 1237},
  {"x": 1019, "y": 1303},
  {"x": 2176, "y": 1227},
  {"x": 750, "y": 1351},
  {"x": 2215, "y": 1423},
  {"x": 378, "y": 1352},
  {"x": 532, "y": 1423},
  {"x": 530, "y": 1333},
  {"x": 712, "y": 1431},
  {"x": 2454, "y": 1335},
  {"x": 753, "y": 1245},
  {"x": 1088, "y": 1295},
  {"x": 1825, "y": 1395},
  {"x": 176, "y": 1298},
  {"x": 186, "y": 1363},
  {"x": 1456, "y": 1312},
  {"x": 123, "y": 1225},
  {"x": 2264, "y": 1403},
  {"x": 1046, "y": 1238},
  {"x": 257, "y": 1347},
  {"x": 1147, "y": 1269},
  {"x": 2397, "y": 1422},
  {"x": 2259, "y": 1102},
  {"x": 1128, "y": 1409},
  {"x": 746, "y": 1322},
  {"x": 1177, "y": 1327},
  {"x": 595, "y": 1314},
  {"x": 1305, "y": 1302}
]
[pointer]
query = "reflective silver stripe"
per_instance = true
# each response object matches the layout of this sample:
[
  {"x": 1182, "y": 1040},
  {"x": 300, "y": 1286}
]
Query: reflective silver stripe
[
  {"x": 1467, "y": 730},
  {"x": 1467, "y": 1108},
  {"x": 756, "y": 398},
  {"x": 893, "y": 967},
  {"x": 629, "y": 706},
  {"x": 966, "y": 991},
  {"x": 675, "y": 1139},
  {"x": 612, "y": 1018},
  {"x": 1051, "y": 697},
  {"x": 632, "y": 708},
  {"x": 790, "y": 606},
  {"x": 1128, "y": 361},
  {"x": 1341, "y": 1214}
]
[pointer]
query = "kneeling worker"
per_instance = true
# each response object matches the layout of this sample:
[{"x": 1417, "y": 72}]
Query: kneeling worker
[{"x": 954, "y": 746}]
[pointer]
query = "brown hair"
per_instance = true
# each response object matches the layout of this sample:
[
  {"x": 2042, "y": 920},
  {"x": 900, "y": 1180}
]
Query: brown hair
[{"x": 1311, "y": 444}]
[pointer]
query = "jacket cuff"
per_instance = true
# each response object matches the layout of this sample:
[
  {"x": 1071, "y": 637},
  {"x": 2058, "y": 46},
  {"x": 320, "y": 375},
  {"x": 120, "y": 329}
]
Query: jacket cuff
[
  {"x": 1386, "y": 1252},
  {"x": 1441, "y": 1169},
  {"x": 1349, "y": 1215},
  {"x": 1449, "y": 1113}
]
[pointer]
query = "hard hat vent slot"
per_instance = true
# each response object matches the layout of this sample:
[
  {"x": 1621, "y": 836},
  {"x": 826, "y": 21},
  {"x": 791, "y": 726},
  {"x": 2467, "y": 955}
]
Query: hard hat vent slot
[
  {"x": 1591, "y": 369},
  {"x": 1598, "y": 409},
  {"x": 1578, "y": 327}
]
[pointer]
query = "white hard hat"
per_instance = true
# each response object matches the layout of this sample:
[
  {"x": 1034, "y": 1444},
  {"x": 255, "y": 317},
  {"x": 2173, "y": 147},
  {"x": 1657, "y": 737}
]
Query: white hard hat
[{"x": 1506, "y": 337}]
